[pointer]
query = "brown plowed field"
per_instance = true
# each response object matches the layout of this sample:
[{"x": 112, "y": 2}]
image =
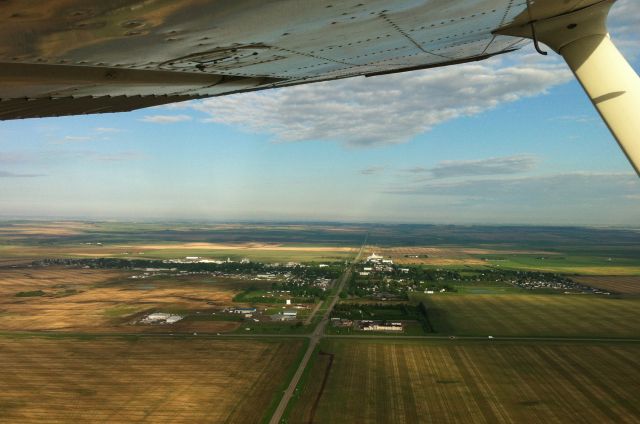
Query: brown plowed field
[{"x": 617, "y": 284}]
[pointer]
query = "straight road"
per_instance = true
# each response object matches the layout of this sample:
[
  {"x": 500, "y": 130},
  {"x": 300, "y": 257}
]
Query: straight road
[
  {"x": 314, "y": 340},
  {"x": 313, "y": 313}
]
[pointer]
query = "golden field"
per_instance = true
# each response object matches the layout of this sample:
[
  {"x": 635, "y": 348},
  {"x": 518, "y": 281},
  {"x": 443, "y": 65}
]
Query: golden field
[
  {"x": 88, "y": 300},
  {"x": 148, "y": 379}
]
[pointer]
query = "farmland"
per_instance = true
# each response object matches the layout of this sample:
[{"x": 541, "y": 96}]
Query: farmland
[
  {"x": 551, "y": 249},
  {"x": 533, "y": 315},
  {"x": 564, "y": 260},
  {"x": 113, "y": 379},
  {"x": 71, "y": 299},
  {"x": 616, "y": 284},
  {"x": 255, "y": 252},
  {"x": 24, "y": 241},
  {"x": 472, "y": 382},
  {"x": 185, "y": 322}
]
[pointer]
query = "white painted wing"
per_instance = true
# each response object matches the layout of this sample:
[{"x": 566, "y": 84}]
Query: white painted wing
[{"x": 64, "y": 57}]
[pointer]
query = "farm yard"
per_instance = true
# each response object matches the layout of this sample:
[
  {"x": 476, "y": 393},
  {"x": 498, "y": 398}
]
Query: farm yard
[
  {"x": 614, "y": 283},
  {"x": 533, "y": 315},
  {"x": 160, "y": 380},
  {"x": 472, "y": 382},
  {"x": 428, "y": 255},
  {"x": 71, "y": 299}
]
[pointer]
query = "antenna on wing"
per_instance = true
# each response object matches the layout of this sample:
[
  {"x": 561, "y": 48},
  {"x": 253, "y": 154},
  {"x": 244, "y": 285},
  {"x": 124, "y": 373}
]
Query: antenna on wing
[{"x": 536, "y": 44}]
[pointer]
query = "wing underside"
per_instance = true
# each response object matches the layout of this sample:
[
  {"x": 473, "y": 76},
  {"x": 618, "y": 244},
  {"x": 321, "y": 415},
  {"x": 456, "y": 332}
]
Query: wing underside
[{"x": 76, "y": 57}]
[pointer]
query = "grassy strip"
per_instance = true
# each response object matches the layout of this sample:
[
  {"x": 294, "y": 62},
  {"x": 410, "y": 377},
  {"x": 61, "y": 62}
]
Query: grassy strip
[
  {"x": 30, "y": 293},
  {"x": 304, "y": 379},
  {"x": 283, "y": 387}
]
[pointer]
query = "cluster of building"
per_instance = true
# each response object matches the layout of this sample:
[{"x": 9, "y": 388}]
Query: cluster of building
[
  {"x": 288, "y": 314},
  {"x": 323, "y": 283},
  {"x": 341, "y": 322},
  {"x": 246, "y": 312},
  {"x": 152, "y": 272},
  {"x": 285, "y": 315},
  {"x": 199, "y": 260},
  {"x": 376, "y": 263},
  {"x": 367, "y": 325},
  {"x": 160, "y": 318},
  {"x": 558, "y": 283}
]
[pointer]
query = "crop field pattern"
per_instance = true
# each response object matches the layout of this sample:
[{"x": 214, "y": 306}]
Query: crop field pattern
[
  {"x": 534, "y": 315},
  {"x": 473, "y": 382},
  {"x": 73, "y": 299},
  {"x": 192, "y": 380},
  {"x": 616, "y": 284}
]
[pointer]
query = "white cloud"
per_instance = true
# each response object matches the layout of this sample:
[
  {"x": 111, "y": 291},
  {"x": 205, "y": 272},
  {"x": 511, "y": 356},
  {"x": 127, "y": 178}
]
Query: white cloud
[
  {"x": 107, "y": 130},
  {"x": 166, "y": 119},
  {"x": 490, "y": 166},
  {"x": 382, "y": 110}
]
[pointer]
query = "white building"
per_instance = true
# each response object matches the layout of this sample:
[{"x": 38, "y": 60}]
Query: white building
[
  {"x": 160, "y": 318},
  {"x": 374, "y": 258}
]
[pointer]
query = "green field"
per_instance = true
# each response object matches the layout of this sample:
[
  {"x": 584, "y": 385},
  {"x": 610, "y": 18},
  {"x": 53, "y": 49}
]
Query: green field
[
  {"x": 572, "y": 263},
  {"x": 471, "y": 382},
  {"x": 533, "y": 315},
  {"x": 256, "y": 255}
]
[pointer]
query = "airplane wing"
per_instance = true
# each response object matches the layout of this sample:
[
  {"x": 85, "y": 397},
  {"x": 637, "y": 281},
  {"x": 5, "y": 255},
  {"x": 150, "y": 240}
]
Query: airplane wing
[{"x": 64, "y": 57}]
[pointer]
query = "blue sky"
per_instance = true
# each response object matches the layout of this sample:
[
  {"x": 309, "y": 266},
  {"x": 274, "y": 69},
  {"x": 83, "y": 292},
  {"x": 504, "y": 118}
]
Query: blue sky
[{"x": 509, "y": 140}]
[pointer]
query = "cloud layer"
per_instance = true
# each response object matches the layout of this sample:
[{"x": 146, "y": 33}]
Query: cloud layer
[
  {"x": 576, "y": 187},
  {"x": 491, "y": 166},
  {"x": 165, "y": 119},
  {"x": 8, "y": 174},
  {"x": 391, "y": 109}
]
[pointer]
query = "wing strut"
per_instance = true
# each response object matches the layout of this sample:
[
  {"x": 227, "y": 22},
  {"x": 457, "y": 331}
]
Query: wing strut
[{"x": 582, "y": 39}]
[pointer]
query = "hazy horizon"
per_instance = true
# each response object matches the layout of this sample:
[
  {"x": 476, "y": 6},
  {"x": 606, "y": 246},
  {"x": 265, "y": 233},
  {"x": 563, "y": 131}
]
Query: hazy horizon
[{"x": 301, "y": 221}]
